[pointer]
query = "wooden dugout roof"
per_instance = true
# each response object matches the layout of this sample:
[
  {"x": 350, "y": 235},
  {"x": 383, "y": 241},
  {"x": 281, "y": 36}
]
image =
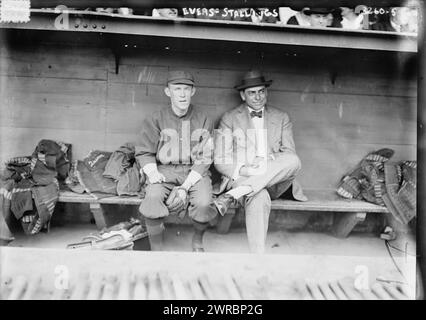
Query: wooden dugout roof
[
  {"x": 211, "y": 3},
  {"x": 94, "y": 22}
]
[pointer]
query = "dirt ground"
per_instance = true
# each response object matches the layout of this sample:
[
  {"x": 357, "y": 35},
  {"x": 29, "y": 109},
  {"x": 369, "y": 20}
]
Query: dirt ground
[
  {"x": 363, "y": 247},
  {"x": 178, "y": 238}
]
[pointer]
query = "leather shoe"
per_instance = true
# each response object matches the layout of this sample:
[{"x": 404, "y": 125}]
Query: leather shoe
[
  {"x": 198, "y": 250},
  {"x": 223, "y": 202}
]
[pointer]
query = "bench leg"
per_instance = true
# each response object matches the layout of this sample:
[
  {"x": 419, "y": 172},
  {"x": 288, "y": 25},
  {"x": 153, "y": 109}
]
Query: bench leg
[
  {"x": 224, "y": 223},
  {"x": 345, "y": 222},
  {"x": 98, "y": 214}
]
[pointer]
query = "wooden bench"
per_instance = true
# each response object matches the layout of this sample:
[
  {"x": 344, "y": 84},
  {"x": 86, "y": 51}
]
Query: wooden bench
[{"x": 347, "y": 212}]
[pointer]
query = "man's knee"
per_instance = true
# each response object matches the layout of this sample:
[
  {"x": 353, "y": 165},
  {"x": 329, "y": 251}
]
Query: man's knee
[
  {"x": 154, "y": 192},
  {"x": 262, "y": 195},
  {"x": 290, "y": 161},
  {"x": 202, "y": 196},
  {"x": 152, "y": 206},
  {"x": 202, "y": 202},
  {"x": 260, "y": 198},
  {"x": 201, "y": 209}
]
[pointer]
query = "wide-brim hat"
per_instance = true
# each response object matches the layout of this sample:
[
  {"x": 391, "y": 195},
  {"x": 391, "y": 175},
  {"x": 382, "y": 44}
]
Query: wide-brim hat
[
  {"x": 251, "y": 79},
  {"x": 318, "y": 11},
  {"x": 297, "y": 7},
  {"x": 180, "y": 77}
]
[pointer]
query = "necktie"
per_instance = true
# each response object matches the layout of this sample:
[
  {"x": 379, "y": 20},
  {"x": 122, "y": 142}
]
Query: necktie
[{"x": 256, "y": 114}]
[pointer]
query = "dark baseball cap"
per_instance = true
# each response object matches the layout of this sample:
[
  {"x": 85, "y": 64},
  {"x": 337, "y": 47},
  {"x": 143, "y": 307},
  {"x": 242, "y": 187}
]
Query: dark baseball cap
[{"x": 180, "y": 77}]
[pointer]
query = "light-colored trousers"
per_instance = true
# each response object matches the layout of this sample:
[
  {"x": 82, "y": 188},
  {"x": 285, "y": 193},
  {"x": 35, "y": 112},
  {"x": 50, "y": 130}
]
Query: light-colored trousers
[
  {"x": 201, "y": 207},
  {"x": 272, "y": 184}
]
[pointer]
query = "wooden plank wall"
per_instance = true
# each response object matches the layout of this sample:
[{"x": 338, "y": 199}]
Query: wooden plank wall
[{"x": 340, "y": 111}]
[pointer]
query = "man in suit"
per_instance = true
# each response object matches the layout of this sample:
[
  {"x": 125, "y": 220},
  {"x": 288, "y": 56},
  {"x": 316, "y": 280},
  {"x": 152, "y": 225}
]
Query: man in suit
[{"x": 255, "y": 153}]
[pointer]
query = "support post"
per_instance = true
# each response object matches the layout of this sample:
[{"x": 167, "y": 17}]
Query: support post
[
  {"x": 345, "y": 222},
  {"x": 98, "y": 214},
  {"x": 224, "y": 223}
]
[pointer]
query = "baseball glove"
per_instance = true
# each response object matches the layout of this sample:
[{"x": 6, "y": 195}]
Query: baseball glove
[{"x": 175, "y": 203}]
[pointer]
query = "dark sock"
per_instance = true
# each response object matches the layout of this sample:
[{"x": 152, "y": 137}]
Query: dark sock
[
  {"x": 199, "y": 229},
  {"x": 155, "y": 228}
]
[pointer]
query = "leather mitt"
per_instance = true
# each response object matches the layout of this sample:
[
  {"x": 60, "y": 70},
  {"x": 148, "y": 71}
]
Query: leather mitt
[{"x": 175, "y": 203}]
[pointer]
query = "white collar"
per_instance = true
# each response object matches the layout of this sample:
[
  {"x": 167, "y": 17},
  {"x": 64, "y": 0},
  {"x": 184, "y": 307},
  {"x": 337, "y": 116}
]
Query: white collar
[
  {"x": 302, "y": 20},
  {"x": 352, "y": 24},
  {"x": 251, "y": 109}
]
